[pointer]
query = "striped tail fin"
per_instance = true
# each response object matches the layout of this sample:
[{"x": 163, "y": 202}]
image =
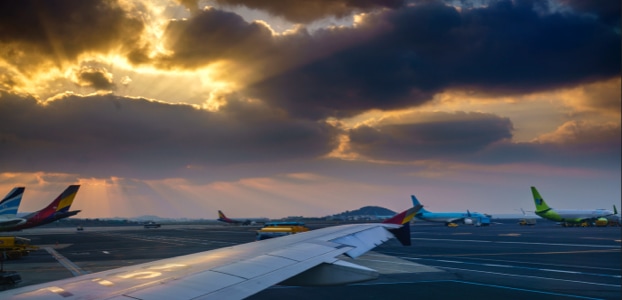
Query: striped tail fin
[
  {"x": 63, "y": 202},
  {"x": 402, "y": 233},
  {"x": 223, "y": 218},
  {"x": 10, "y": 203}
]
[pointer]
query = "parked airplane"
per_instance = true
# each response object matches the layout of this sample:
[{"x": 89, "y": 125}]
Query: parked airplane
[
  {"x": 308, "y": 258},
  {"x": 448, "y": 218},
  {"x": 615, "y": 218},
  {"x": 58, "y": 209},
  {"x": 8, "y": 208},
  {"x": 250, "y": 221},
  {"x": 566, "y": 216}
]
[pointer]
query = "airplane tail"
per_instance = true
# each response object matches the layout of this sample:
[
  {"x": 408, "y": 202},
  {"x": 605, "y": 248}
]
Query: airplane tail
[
  {"x": 615, "y": 210},
  {"x": 416, "y": 202},
  {"x": 63, "y": 202},
  {"x": 402, "y": 233},
  {"x": 10, "y": 203},
  {"x": 223, "y": 218},
  {"x": 541, "y": 206}
]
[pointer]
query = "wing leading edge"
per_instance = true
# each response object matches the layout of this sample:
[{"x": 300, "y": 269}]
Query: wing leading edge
[{"x": 309, "y": 258}]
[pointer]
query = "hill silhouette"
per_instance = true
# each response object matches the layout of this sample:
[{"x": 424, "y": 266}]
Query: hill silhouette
[{"x": 366, "y": 211}]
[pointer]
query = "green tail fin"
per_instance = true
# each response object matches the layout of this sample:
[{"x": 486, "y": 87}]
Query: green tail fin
[
  {"x": 615, "y": 210},
  {"x": 537, "y": 199}
]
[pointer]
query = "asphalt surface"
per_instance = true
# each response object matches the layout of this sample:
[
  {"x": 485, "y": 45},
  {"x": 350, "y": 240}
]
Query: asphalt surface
[{"x": 503, "y": 260}]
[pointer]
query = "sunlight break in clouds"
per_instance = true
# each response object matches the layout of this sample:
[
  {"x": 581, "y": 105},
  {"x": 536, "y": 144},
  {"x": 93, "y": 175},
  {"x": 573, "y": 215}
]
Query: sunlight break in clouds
[{"x": 275, "y": 108}]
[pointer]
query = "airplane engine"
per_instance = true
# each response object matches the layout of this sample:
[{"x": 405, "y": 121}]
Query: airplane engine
[{"x": 468, "y": 221}]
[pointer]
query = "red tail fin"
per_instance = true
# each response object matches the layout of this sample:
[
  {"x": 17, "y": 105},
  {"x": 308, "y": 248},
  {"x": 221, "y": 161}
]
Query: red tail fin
[
  {"x": 402, "y": 233},
  {"x": 405, "y": 216}
]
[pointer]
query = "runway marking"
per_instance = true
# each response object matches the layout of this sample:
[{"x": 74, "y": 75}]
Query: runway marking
[
  {"x": 534, "y": 277},
  {"x": 167, "y": 239},
  {"x": 540, "y": 263},
  {"x": 75, "y": 270},
  {"x": 470, "y": 255},
  {"x": 482, "y": 284},
  {"x": 595, "y": 238},
  {"x": 522, "y": 243},
  {"x": 510, "y": 267},
  {"x": 455, "y": 281},
  {"x": 526, "y": 290}
]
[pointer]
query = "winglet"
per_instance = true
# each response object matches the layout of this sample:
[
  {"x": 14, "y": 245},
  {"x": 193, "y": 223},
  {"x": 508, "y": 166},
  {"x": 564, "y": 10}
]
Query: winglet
[
  {"x": 402, "y": 233},
  {"x": 405, "y": 216}
]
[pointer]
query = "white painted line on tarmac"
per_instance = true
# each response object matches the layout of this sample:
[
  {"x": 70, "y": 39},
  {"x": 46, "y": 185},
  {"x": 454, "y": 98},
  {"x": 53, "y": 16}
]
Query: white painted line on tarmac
[
  {"x": 521, "y": 243},
  {"x": 75, "y": 270},
  {"x": 535, "y": 277}
]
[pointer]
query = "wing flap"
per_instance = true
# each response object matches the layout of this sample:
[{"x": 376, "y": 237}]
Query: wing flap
[
  {"x": 249, "y": 287},
  {"x": 255, "y": 266},
  {"x": 364, "y": 240},
  {"x": 303, "y": 251},
  {"x": 339, "y": 272}
]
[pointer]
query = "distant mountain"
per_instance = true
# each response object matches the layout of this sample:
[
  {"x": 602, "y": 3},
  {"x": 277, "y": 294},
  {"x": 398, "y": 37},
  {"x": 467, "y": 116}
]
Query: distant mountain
[
  {"x": 370, "y": 211},
  {"x": 149, "y": 218}
]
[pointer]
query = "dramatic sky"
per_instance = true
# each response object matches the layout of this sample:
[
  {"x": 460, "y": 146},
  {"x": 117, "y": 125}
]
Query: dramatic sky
[{"x": 279, "y": 108}]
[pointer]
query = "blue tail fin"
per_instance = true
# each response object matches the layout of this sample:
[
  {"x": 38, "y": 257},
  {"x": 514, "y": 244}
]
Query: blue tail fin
[
  {"x": 416, "y": 202},
  {"x": 10, "y": 203}
]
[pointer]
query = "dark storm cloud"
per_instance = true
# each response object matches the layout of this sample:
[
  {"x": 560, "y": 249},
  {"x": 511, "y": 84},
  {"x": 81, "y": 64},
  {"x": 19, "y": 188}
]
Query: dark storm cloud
[
  {"x": 390, "y": 60},
  {"x": 597, "y": 147},
  {"x": 458, "y": 136},
  {"x": 32, "y": 31},
  {"x": 99, "y": 79},
  {"x": 108, "y": 135},
  {"x": 606, "y": 10},
  {"x": 415, "y": 52},
  {"x": 486, "y": 139},
  {"x": 212, "y": 35},
  {"x": 311, "y": 10}
]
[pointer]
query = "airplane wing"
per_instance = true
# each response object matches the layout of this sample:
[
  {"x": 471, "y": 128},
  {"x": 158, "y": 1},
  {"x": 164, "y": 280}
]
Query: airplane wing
[{"x": 309, "y": 258}]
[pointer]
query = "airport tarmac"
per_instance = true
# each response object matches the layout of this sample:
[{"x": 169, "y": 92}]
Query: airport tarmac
[{"x": 503, "y": 260}]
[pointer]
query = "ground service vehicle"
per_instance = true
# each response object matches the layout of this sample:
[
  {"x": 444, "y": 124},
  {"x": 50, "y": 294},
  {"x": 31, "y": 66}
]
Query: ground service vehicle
[
  {"x": 276, "y": 229},
  {"x": 527, "y": 222},
  {"x": 152, "y": 225},
  {"x": 13, "y": 247},
  {"x": 601, "y": 222}
]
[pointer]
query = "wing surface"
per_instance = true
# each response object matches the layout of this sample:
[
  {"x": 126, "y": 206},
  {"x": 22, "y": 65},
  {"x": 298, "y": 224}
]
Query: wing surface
[{"x": 228, "y": 273}]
